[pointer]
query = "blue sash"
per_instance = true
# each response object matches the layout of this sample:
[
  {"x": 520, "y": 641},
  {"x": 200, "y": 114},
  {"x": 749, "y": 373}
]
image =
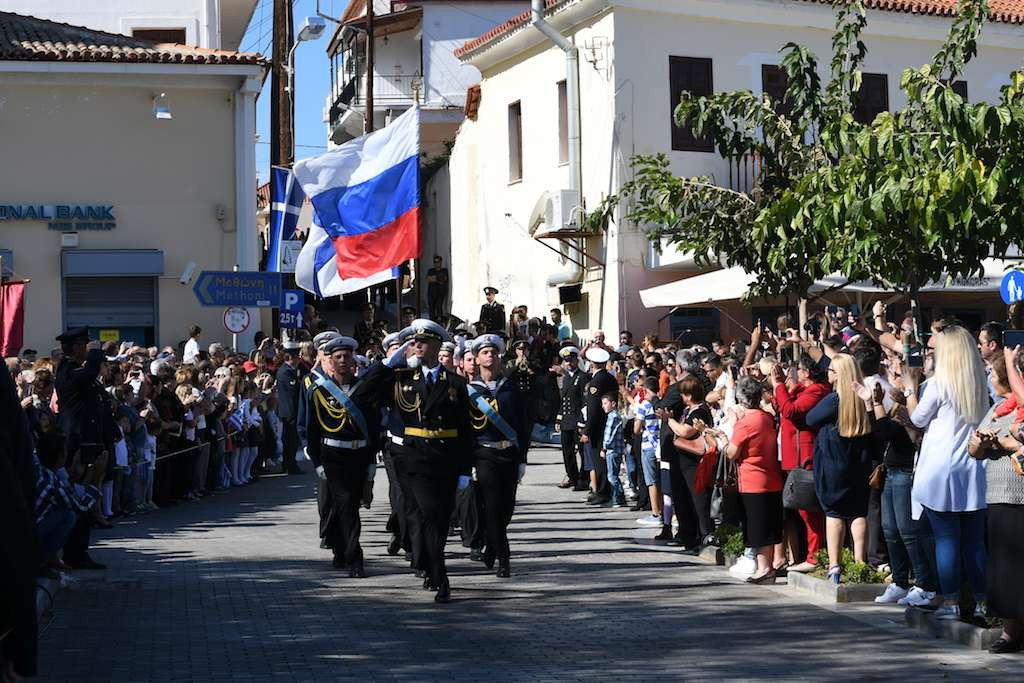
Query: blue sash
[
  {"x": 492, "y": 415},
  {"x": 346, "y": 402}
]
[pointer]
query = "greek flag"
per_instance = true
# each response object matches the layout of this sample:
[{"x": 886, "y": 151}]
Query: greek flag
[{"x": 286, "y": 199}]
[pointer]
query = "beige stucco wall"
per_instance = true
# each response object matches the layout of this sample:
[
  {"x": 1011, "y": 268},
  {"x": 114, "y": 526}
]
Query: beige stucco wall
[
  {"x": 626, "y": 110},
  {"x": 70, "y": 143}
]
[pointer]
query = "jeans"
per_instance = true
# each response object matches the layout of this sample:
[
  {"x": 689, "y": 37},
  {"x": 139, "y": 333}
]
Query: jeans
[
  {"x": 910, "y": 543},
  {"x": 959, "y": 542},
  {"x": 649, "y": 458},
  {"x": 53, "y": 530},
  {"x": 614, "y": 460}
]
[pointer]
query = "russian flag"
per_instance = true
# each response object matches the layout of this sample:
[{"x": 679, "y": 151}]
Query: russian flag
[
  {"x": 366, "y": 204},
  {"x": 285, "y": 205}
]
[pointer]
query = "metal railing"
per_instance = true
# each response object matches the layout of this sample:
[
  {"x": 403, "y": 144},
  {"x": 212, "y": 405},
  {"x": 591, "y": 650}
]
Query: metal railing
[
  {"x": 388, "y": 90},
  {"x": 744, "y": 173}
]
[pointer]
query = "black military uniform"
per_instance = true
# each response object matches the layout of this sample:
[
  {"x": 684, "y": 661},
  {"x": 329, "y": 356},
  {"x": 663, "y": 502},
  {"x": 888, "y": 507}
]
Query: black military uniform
[
  {"x": 345, "y": 451},
  {"x": 324, "y": 506},
  {"x": 496, "y": 456},
  {"x": 569, "y": 418},
  {"x": 289, "y": 389},
  {"x": 492, "y": 315},
  {"x": 602, "y": 382},
  {"x": 431, "y": 449}
]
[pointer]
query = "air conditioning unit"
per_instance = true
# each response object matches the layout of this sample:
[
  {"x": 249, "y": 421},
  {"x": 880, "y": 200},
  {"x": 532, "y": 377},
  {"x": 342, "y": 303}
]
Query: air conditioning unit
[{"x": 564, "y": 210}]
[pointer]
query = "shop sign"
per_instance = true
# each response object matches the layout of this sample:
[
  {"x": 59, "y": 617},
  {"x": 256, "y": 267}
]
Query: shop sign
[{"x": 63, "y": 217}]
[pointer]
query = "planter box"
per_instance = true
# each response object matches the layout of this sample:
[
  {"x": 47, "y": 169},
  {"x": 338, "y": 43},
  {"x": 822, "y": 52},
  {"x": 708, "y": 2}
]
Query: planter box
[
  {"x": 843, "y": 592},
  {"x": 713, "y": 555},
  {"x": 975, "y": 637}
]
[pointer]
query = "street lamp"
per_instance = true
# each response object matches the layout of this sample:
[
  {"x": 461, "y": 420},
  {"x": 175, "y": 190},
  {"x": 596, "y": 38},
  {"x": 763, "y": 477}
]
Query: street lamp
[{"x": 311, "y": 30}]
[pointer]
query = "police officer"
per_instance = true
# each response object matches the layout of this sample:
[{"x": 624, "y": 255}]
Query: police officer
[
  {"x": 323, "y": 495},
  {"x": 492, "y": 313},
  {"x": 601, "y": 382},
  {"x": 500, "y": 417},
  {"x": 288, "y": 391},
  {"x": 430, "y": 442},
  {"x": 570, "y": 416},
  {"x": 343, "y": 439},
  {"x": 86, "y": 418}
]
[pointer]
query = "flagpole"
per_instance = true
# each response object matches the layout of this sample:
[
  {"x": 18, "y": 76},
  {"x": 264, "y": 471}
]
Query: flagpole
[{"x": 398, "y": 300}]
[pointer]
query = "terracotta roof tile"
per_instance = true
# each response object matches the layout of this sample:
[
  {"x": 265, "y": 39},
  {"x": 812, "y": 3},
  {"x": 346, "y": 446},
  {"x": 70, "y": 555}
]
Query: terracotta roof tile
[
  {"x": 24, "y": 38},
  {"x": 1004, "y": 11}
]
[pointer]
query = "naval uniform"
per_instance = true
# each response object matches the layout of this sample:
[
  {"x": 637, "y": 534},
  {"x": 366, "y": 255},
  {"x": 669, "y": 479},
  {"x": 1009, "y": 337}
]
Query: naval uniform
[
  {"x": 492, "y": 315},
  {"x": 601, "y": 383},
  {"x": 288, "y": 391},
  {"x": 338, "y": 443},
  {"x": 570, "y": 416},
  {"x": 324, "y": 506},
  {"x": 430, "y": 449},
  {"x": 497, "y": 458}
]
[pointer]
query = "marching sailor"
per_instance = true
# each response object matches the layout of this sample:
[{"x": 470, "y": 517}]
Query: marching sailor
[
  {"x": 430, "y": 447},
  {"x": 499, "y": 415},
  {"x": 342, "y": 443},
  {"x": 323, "y": 494}
]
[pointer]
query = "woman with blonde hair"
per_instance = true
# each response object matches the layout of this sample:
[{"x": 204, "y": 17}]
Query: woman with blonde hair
[
  {"x": 949, "y": 485},
  {"x": 844, "y": 448}
]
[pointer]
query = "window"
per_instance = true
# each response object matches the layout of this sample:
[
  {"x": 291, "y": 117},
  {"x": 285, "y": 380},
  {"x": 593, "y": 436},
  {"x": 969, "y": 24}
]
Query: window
[
  {"x": 693, "y": 75},
  {"x": 515, "y": 142},
  {"x": 563, "y": 124},
  {"x": 160, "y": 35},
  {"x": 774, "y": 82},
  {"x": 960, "y": 88},
  {"x": 872, "y": 98}
]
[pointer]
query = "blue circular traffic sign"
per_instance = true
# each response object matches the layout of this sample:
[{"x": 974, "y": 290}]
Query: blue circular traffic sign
[{"x": 1012, "y": 287}]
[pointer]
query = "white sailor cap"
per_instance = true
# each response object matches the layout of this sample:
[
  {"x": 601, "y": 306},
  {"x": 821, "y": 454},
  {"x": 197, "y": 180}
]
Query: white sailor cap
[
  {"x": 488, "y": 341},
  {"x": 448, "y": 347},
  {"x": 425, "y": 330},
  {"x": 320, "y": 340},
  {"x": 595, "y": 354},
  {"x": 291, "y": 345},
  {"x": 566, "y": 351},
  {"x": 340, "y": 343},
  {"x": 393, "y": 339}
]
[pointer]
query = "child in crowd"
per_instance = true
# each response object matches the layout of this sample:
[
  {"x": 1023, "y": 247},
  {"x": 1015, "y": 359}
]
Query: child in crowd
[
  {"x": 648, "y": 425},
  {"x": 613, "y": 447}
]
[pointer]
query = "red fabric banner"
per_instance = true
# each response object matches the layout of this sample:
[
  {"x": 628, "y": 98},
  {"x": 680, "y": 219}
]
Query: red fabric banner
[{"x": 12, "y": 310}]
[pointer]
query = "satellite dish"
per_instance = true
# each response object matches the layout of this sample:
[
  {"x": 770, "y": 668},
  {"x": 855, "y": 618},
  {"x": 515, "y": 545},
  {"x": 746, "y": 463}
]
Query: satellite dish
[{"x": 541, "y": 214}]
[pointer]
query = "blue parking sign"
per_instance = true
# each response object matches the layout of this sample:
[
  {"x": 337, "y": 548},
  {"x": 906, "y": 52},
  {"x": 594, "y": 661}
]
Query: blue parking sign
[
  {"x": 1012, "y": 287},
  {"x": 293, "y": 302}
]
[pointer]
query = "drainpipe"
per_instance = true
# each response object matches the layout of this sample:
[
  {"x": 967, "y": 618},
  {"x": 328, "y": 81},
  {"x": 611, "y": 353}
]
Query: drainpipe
[{"x": 572, "y": 95}]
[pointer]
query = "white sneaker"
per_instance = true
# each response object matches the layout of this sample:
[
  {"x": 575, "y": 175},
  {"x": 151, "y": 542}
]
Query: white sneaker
[
  {"x": 745, "y": 566},
  {"x": 893, "y": 593},
  {"x": 649, "y": 520},
  {"x": 918, "y": 597},
  {"x": 948, "y": 613}
]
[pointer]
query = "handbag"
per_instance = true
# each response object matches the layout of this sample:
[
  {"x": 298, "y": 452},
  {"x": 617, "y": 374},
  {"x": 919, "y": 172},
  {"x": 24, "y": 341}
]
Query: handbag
[
  {"x": 798, "y": 493},
  {"x": 877, "y": 478},
  {"x": 725, "y": 497}
]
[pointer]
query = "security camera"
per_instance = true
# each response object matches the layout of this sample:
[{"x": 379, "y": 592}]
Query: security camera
[{"x": 186, "y": 275}]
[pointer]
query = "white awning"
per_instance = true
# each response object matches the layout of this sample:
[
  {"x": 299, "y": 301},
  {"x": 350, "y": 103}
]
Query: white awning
[{"x": 731, "y": 284}]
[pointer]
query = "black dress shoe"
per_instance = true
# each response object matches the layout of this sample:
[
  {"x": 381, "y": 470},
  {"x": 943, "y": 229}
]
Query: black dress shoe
[
  {"x": 1004, "y": 646},
  {"x": 476, "y": 555},
  {"x": 581, "y": 487},
  {"x": 444, "y": 593},
  {"x": 84, "y": 563},
  {"x": 503, "y": 569},
  {"x": 428, "y": 585},
  {"x": 357, "y": 572},
  {"x": 339, "y": 562},
  {"x": 665, "y": 535},
  {"x": 488, "y": 560},
  {"x": 394, "y": 545}
]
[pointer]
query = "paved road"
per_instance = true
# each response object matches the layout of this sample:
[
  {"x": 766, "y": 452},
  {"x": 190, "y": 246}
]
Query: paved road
[{"x": 235, "y": 588}]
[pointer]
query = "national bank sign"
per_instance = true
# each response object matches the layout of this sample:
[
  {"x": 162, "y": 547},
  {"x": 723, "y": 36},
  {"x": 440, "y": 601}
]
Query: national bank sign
[{"x": 62, "y": 216}]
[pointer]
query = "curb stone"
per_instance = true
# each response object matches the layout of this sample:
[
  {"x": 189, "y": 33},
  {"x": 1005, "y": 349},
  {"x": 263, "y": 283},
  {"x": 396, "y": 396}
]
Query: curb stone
[
  {"x": 844, "y": 592},
  {"x": 974, "y": 637}
]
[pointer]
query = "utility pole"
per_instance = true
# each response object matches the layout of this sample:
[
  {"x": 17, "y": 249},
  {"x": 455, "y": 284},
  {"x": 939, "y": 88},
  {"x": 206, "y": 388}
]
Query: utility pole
[
  {"x": 282, "y": 108},
  {"x": 368, "y": 118}
]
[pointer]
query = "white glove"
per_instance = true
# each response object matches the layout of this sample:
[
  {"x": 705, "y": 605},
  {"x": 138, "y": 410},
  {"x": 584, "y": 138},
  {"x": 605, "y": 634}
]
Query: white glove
[
  {"x": 321, "y": 473},
  {"x": 398, "y": 359},
  {"x": 522, "y": 471},
  {"x": 463, "y": 481}
]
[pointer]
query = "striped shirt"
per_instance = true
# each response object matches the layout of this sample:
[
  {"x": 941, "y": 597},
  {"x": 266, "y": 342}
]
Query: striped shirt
[{"x": 53, "y": 492}]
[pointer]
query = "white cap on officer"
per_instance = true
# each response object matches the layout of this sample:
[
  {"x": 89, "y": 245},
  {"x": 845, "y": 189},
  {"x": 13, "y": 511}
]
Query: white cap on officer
[
  {"x": 320, "y": 340},
  {"x": 291, "y": 345},
  {"x": 488, "y": 341},
  {"x": 423, "y": 329},
  {"x": 448, "y": 347},
  {"x": 568, "y": 351},
  {"x": 393, "y": 339},
  {"x": 595, "y": 354}
]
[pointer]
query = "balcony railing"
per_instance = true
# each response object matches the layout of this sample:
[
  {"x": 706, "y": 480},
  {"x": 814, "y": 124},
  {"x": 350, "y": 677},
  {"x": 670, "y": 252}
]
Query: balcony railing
[
  {"x": 744, "y": 173},
  {"x": 389, "y": 90}
]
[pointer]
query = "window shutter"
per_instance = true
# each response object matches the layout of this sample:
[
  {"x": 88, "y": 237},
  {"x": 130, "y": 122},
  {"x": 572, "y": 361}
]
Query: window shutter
[
  {"x": 872, "y": 98},
  {"x": 774, "y": 82},
  {"x": 692, "y": 74}
]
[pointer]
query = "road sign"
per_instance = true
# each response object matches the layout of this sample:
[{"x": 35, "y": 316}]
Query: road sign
[
  {"x": 1012, "y": 287},
  {"x": 236, "y": 320},
  {"x": 293, "y": 301},
  {"x": 290, "y": 254},
  {"x": 227, "y": 288}
]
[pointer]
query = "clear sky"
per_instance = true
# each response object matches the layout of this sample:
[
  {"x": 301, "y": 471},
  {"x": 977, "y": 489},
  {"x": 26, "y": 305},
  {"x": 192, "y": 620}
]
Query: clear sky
[{"x": 312, "y": 80}]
